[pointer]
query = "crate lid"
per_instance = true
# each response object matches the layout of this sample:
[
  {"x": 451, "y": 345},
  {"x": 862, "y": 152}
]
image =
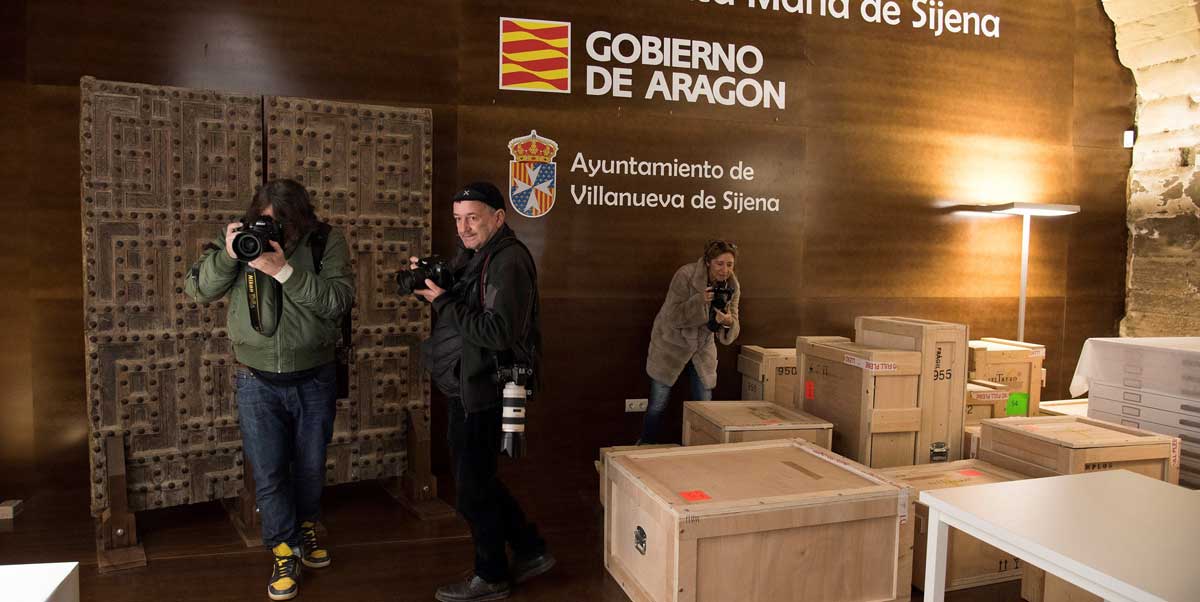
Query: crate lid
[
  {"x": 866, "y": 357},
  {"x": 944, "y": 475},
  {"x": 757, "y": 351},
  {"x": 1074, "y": 431},
  {"x": 755, "y": 415},
  {"x": 738, "y": 475}
]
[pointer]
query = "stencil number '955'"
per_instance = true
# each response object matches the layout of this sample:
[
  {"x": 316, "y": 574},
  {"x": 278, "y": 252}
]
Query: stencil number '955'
[{"x": 942, "y": 374}]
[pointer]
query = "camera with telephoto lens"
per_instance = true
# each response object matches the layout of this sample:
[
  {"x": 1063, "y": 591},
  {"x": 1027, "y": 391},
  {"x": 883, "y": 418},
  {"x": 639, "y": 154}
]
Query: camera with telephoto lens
[
  {"x": 254, "y": 238},
  {"x": 722, "y": 294},
  {"x": 512, "y": 421},
  {"x": 429, "y": 268}
]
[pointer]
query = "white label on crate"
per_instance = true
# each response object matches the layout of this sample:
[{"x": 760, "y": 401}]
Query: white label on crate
[
  {"x": 869, "y": 365},
  {"x": 990, "y": 396},
  {"x": 1036, "y": 353},
  {"x": 1174, "y": 452}
]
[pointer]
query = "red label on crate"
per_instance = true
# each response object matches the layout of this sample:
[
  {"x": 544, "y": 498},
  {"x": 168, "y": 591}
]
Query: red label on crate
[
  {"x": 970, "y": 473},
  {"x": 810, "y": 389},
  {"x": 694, "y": 496}
]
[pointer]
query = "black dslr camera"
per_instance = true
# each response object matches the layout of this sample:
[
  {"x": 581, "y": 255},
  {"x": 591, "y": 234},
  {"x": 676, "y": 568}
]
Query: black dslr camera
[
  {"x": 722, "y": 294},
  {"x": 254, "y": 238},
  {"x": 432, "y": 268}
]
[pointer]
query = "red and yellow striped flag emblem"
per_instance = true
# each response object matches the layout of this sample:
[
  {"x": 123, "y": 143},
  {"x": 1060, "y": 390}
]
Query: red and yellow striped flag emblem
[{"x": 535, "y": 55}]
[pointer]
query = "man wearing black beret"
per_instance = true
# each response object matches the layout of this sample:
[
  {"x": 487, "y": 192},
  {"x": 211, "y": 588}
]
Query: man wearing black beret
[{"x": 488, "y": 318}]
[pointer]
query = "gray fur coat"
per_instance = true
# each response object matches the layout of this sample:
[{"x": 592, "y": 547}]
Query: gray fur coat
[{"x": 680, "y": 333}]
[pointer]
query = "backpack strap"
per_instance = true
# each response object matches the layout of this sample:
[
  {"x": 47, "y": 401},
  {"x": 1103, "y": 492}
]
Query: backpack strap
[{"x": 316, "y": 243}]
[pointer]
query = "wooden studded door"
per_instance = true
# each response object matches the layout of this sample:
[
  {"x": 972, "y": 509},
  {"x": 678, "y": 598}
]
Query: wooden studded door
[{"x": 163, "y": 169}]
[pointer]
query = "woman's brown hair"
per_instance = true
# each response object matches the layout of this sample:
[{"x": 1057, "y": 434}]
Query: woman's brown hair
[{"x": 716, "y": 248}]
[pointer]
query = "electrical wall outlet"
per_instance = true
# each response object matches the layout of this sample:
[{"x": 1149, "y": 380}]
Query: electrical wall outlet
[{"x": 636, "y": 405}]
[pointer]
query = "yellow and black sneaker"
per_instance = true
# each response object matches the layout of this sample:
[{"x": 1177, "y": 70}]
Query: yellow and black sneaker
[
  {"x": 285, "y": 579},
  {"x": 315, "y": 557}
]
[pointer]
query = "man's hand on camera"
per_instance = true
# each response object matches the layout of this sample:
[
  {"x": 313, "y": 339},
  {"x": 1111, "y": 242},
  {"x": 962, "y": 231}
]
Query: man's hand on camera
[
  {"x": 231, "y": 231},
  {"x": 430, "y": 293},
  {"x": 270, "y": 263},
  {"x": 724, "y": 319},
  {"x": 708, "y": 294},
  {"x": 412, "y": 263}
]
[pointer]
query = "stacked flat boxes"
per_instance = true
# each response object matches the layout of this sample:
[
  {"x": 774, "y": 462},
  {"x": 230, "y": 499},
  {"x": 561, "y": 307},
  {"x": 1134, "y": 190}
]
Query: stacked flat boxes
[{"x": 1151, "y": 384}]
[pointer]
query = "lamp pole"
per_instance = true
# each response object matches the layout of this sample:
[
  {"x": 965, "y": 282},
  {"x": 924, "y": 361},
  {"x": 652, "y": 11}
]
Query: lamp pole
[{"x": 1025, "y": 219}]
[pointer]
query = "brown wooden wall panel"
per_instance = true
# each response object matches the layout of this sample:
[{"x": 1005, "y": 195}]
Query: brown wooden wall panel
[
  {"x": 369, "y": 171},
  {"x": 884, "y": 126},
  {"x": 163, "y": 169}
]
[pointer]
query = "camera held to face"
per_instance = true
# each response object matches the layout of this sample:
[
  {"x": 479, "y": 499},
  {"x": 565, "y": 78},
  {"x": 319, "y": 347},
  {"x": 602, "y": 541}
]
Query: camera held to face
[
  {"x": 429, "y": 268},
  {"x": 254, "y": 238},
  {"x": 722, "y": 294}
]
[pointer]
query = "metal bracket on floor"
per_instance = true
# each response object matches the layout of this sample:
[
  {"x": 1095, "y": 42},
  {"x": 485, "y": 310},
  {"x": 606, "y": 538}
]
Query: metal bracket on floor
[
  {"x": 416, "y": 490},
  {"x": 243, "y": 510},
  {"x": 117, "y": 546}
]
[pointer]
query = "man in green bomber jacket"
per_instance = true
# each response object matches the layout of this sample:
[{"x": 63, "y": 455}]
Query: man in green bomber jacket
[{"x": 287, "y": 373}]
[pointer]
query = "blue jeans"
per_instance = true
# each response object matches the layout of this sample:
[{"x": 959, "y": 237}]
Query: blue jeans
[
  {"x": 660, "y": 394},
  {"x": 284, "y": 433}
]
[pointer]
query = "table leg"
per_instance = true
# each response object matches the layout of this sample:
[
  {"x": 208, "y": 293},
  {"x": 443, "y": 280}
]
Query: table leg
[{"x": 935, "y": 557}]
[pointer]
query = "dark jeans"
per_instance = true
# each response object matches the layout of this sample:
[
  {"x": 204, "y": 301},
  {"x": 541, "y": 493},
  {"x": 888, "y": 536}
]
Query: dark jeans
[
  {"x": 284, "y": 433},
  {"x": 660, "y": 394},
  {"x": 494, "y": 516}
]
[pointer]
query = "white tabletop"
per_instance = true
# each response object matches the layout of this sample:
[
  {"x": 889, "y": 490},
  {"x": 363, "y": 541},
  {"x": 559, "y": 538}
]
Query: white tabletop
[
  {"x": 1135, "y": 533},
  {"x": 51, "y": 582}
]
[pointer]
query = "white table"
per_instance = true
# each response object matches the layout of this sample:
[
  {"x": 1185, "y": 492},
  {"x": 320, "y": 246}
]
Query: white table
[
  {"x": 52, "y": 582},
  {"x": 1122, "y": 536}
]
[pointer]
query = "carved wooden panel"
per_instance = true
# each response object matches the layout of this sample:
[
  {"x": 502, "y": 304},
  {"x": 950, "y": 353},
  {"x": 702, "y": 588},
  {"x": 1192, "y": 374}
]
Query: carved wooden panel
[
  {"x": 162, "y": 169},
  {"x": 369, "y": 171}
]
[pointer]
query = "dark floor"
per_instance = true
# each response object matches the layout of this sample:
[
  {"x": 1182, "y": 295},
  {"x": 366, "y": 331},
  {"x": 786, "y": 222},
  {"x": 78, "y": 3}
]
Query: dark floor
[{"x": 380, "y": 552}]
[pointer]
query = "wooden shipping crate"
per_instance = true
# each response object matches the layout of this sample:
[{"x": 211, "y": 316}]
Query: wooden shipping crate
[
  {"x": 1059, "y": 445},
  {"x": 708, "y": 422},
  {"x": 984, "y": 400},
  {"x": 1064, "y": 407},
  {"x": 1014, "y": 364},
  {"x": 970, "y": 562},
  {"x": 608, "y": 452},
  {"x": 768, "y": 374},
  {"x": 766, "y": 521},
  {"x": 870, "y": 396},
  {"x": 942, "y": 389}
]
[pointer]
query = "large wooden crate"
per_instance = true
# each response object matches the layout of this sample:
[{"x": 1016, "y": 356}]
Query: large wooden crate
[
  {"x": 707, "y": 422},
  {"x": 768, "y": 374},
  {"x": 1059, "y": 445},
  {"x": 942, "y": 388},
  {"x": 768, "y": 521},
  {"x": 1016, "y": 365},
  {"x": 970, "y": 562},
  {"x": 984, "y": 400},
  {"x": 870, "y": 396},
  {"x": 608, "y": 452}
]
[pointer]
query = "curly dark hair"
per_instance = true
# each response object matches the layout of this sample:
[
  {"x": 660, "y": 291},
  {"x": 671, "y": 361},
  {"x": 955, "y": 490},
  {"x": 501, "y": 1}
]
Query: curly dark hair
[{"x": 291, "y": 205}]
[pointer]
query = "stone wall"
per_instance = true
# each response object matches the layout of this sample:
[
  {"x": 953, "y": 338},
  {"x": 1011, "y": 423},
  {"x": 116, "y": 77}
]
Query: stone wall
[{"x": 1159, "y": 40}]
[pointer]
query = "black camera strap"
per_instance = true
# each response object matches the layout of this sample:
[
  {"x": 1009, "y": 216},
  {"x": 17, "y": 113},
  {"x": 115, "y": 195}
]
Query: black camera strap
[{"x": 254, "y": 302}]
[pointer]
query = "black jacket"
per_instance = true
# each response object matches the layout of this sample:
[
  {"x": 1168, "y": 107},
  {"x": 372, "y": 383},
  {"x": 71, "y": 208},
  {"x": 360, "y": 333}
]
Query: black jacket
[{"x": 497, "y": 315}]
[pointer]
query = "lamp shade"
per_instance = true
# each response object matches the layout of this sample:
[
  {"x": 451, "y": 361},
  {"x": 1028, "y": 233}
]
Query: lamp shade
[{"x": 1035, "y": 209}]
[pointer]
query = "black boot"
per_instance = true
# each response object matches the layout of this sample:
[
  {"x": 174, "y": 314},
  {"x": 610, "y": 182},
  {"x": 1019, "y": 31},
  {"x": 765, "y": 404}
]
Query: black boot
[
  {"x": 474, "y": 589},
  {"x": 525, "y": 569}
]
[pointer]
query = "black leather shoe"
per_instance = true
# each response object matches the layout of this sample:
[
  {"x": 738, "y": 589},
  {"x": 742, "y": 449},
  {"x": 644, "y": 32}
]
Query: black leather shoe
[
  {"x": 524, "y": 570},
  {"x": 474, "y": 589}
]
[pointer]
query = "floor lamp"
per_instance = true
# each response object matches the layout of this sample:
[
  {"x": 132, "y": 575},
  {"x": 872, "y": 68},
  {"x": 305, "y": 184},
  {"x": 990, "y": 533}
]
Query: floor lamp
[{"x": 1027, "y": 211}]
